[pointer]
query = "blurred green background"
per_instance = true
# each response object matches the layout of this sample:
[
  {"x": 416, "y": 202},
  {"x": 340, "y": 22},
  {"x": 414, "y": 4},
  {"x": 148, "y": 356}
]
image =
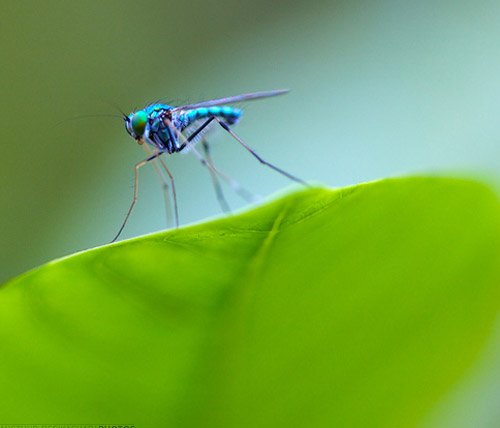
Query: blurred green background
[{"x": 379, "y": 88}]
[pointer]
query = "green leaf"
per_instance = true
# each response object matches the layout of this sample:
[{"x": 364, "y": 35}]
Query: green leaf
[{"x": 363, "y": 306}]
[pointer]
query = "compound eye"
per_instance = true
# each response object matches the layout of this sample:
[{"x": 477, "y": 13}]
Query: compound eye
[{"x": 138, "y": 123}]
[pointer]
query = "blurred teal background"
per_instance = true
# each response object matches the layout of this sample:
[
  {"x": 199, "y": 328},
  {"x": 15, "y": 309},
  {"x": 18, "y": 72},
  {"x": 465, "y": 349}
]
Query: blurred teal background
[{"x": 379, "y": 88}]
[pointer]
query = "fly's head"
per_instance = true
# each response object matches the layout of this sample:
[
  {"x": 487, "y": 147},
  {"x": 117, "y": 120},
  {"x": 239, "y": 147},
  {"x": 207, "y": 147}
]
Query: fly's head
[{"x": 136, "y": 124}]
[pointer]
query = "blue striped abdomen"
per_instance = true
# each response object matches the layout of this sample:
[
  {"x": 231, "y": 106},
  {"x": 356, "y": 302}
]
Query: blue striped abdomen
[{"x": 230, "y": 115}]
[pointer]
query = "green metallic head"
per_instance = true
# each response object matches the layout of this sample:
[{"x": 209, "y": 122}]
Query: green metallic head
[{"x": 135, "y": 123}]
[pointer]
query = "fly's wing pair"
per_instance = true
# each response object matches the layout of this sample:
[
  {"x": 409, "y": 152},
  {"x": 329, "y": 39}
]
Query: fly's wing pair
[{"x": 233, "y": 99}]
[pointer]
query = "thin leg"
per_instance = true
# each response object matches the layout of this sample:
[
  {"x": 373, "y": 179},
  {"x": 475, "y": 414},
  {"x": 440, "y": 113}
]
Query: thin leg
[
  {"x": 254, "y": 154},
  {"x": 164, "y": 186},
  {"x": 241, "y": 191},
  {"x": 237, "y": 188},
  {"x": 136, "y": 190},
  {"x": 174, "y": 193},
  {"x": 196, "y": 132},
  {"x": 218, "y": 189}
]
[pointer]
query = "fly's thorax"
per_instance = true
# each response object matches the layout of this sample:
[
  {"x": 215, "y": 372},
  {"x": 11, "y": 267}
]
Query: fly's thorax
[{"x": 164, "y": 127}]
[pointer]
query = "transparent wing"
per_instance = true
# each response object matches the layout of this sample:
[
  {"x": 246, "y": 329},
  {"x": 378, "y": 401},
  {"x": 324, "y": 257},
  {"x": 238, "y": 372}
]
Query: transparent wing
[{"x": 233, "y": 99}]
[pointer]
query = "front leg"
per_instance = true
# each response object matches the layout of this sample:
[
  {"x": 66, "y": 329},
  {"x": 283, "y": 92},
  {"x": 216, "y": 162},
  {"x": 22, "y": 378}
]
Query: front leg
[{"x": 136, "y": 190}]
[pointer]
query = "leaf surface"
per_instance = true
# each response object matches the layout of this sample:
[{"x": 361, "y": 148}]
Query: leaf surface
[{"x": 362, "y": 306}]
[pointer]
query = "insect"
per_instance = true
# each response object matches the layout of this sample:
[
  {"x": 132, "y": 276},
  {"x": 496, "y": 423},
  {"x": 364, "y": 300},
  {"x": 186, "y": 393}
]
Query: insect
[{"x": 168, "y": 129}]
